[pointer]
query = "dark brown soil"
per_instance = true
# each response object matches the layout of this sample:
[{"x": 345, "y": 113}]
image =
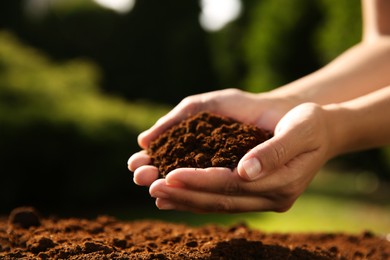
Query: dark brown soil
[
  {"x": 26, "y": 235},
  {"x": 204, "y": 140}
]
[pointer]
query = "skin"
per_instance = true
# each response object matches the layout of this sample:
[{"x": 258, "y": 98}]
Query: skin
[{"x": 340, "y": 108}]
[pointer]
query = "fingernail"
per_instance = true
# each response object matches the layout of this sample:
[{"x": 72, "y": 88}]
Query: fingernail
[{"x": 252, "y": 168}]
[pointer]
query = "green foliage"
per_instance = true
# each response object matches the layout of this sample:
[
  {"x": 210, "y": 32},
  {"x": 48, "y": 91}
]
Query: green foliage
[
  {"x": 35, "y": 89},
  {"x": 61, "y": 139},
  {"x": 278, "y": 43},
  {"x": 157, "y": 51},
  {"x": 226, "y": 55},
  {"x": 340, "y": 29}
]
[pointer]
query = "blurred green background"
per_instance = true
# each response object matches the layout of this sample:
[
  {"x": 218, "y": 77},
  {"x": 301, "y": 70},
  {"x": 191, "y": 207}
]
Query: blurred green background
[{"x": 79, "y": 82}]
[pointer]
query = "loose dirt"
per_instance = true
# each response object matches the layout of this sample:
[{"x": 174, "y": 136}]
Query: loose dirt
[
  {"x": 26, "y": 235},
  {"x": 204, "y": 140}
]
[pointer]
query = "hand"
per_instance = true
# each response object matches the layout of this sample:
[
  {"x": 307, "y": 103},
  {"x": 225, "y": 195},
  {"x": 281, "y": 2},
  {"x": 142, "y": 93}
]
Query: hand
[
  {"x": 289, "y": 161},
  {"x": 263, "y": 110}
]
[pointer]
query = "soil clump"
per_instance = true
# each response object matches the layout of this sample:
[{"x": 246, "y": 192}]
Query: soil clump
[{"x": 204, "y": 140}]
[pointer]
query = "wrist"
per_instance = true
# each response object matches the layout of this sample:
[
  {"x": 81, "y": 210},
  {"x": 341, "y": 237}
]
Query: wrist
[
  {"x": 339, "y": 129},
  {"x": 292, "y": 99}
]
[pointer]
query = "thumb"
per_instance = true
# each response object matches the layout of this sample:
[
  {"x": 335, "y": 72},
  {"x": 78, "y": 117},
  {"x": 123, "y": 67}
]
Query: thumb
[
  {"x": 296, "y": 133},
  {"x": 270, "y": 155}
]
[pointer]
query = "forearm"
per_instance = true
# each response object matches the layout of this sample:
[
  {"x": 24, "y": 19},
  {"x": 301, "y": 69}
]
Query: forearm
[
  {"x": 361, "y": 123},
  {"x": 359, "y": 71}
]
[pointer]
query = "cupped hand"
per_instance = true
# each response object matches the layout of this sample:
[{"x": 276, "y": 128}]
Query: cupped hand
[
  {"x": 263, "y": 110},
  {"x": 285, "y": 166}
]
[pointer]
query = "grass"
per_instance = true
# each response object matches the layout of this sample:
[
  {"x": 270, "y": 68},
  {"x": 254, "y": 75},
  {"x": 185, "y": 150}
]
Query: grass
[
  {"x": 345, "y": 202},
  {"x": 318, "y": 213}
]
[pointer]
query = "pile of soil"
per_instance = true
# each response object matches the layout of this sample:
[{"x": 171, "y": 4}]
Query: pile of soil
[
  {"x": 26, "y": 235},
  {"x": 204, "y": 140}
]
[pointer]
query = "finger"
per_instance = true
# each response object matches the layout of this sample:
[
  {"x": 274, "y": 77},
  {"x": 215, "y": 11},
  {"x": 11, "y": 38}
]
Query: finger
[
  {"x": 166, "y": 204},
  {"x": 137, "y": 160},
  {"x": 176, "y": 198},
  {"x": 267, "y": 156},
  {"x": 213, "y": 179},
  {"x": 294, "y": 135},
  {"x": 145, "y": 175},
  {"x": 223, "y": 181}
]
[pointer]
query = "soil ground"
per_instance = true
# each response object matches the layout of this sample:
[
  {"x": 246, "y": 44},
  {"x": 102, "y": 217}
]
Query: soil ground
[{"x": 24, "y": 234}]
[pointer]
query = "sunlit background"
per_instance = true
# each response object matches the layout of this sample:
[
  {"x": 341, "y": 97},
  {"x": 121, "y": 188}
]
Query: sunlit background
[
  {"x": 80, "y": 79},
  {"x": 120, "y": 6},
  {"x": 215, "y": 14}
]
